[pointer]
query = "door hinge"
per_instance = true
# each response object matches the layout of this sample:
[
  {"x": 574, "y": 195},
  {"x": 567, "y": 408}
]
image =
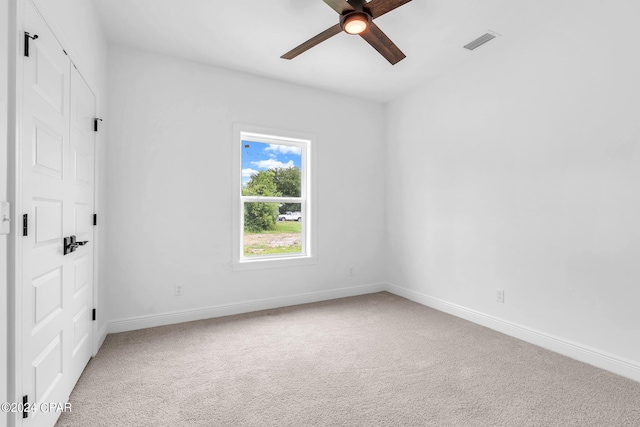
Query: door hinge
[
  {"x": 25, "y": 225},
  {"x": 93, "y": 315},
  {"x": 95, "y": 219},
  {"x": 25, "y": 406},
  {"x": 28, "y": 36},
  {"x": 95, "y": 124}
]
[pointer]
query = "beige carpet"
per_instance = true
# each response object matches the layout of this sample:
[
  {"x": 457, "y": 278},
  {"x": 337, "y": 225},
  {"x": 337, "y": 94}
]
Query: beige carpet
[{"x": 375, "y": 360}]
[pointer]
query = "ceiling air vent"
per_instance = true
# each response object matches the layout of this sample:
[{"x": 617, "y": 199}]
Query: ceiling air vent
[{"x": 480, "y": 41}]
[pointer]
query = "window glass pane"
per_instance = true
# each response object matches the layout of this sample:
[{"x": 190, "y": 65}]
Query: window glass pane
[
  {"x": 267, "y": 232},
  {"x": 271, "y": 169}
]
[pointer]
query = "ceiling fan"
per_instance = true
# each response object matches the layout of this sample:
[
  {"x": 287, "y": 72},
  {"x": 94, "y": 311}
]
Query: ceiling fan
[{"x": 356, "y": 17}]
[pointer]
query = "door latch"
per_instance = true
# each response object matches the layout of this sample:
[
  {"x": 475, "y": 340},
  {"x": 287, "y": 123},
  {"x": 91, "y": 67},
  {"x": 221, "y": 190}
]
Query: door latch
[{"x": 70, "y": 244}]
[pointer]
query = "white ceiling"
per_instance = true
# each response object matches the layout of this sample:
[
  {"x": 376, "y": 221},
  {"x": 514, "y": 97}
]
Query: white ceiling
[{"x": 251, "y": 35}]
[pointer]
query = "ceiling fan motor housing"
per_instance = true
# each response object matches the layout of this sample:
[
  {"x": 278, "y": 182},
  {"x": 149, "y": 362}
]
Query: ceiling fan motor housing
[{"x": 354, "y": 16}]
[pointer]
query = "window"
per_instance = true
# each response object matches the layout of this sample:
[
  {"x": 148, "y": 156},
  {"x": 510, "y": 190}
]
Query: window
[{"x": 273, "y": 215}]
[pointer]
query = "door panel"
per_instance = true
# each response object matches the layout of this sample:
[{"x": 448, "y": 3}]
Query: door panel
[
  {"x": 48, "y": 222},
  {"x": 48, "y": 369},
  {"x": 58, "y": 196},
  {"x": 82, "y": 269},
  {"x": 50, "y": 78},
  {"x": 81, "y": 330},
  {"x": 48, "y": 295},
  {"x": 82, "y": 223},
  {"x": 82, "y": 167},
  {"x": 45, "y": 150}
]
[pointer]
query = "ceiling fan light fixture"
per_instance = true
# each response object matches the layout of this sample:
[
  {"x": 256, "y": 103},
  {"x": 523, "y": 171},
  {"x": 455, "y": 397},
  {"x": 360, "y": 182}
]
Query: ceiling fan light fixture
[
  {"x": 355, "y": 22},
  {"x": 356, "y": 17}
]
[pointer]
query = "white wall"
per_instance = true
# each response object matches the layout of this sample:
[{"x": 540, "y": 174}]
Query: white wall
[
  {"x": 169, "y": 196},
  {"x": 521, "y": 171}
]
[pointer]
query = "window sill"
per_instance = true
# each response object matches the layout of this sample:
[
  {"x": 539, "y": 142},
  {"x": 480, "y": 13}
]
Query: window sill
[{"x": 258, "y": 264}]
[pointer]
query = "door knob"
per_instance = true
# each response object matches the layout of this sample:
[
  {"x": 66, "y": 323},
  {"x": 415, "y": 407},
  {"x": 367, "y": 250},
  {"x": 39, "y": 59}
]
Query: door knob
[{"x": 71, "y": 244}]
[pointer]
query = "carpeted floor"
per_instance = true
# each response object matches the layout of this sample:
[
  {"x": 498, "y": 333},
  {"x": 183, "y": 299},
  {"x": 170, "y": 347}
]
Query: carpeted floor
[{"x": 374, "y": 360}]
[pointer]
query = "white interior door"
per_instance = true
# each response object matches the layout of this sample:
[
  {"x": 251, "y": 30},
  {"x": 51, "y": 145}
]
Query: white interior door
[
  {"x": 81, "y": 197},
  {"x": 57, "y": 196}
]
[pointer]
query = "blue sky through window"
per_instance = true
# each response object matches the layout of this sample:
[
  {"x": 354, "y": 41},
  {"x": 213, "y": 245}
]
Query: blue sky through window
[{"x": 259, "y": 156}]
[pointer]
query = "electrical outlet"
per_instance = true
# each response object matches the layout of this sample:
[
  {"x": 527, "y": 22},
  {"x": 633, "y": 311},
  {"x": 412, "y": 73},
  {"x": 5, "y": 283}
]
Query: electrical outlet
[
  {"x": 500, "y": 295},
  {"x": 179, "y": 290}
]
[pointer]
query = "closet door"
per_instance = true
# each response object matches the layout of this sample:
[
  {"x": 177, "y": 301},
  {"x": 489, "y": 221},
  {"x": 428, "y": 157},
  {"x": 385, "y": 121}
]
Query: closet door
[
  {"x": 81, "y": 198},
  {"x": 57, "y": 197}
]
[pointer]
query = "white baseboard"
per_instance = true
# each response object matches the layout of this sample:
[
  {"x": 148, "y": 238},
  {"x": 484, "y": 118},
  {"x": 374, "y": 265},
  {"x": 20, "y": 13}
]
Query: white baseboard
[
  {"x": 153, "y": 320},
  {"x": 600, "y": 359},
  {"x": 595, "y": 357}
]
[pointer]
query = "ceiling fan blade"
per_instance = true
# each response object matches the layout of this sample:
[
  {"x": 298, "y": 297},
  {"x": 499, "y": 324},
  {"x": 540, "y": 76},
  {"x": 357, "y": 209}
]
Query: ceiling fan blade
[
  {"x": 383, "y": 44},
  {"x": 379, "y": 7},
  {"x": 340, "y": 6},
  {"x": 313, "y": 41}
]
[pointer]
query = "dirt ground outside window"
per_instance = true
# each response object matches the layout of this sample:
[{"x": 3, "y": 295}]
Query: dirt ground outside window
[{"x": 268, "y": 244}]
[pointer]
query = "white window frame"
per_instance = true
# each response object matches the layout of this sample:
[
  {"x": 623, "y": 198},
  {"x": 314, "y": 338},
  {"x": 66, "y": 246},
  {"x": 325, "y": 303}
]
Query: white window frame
[{"x": 307, "y": 198}]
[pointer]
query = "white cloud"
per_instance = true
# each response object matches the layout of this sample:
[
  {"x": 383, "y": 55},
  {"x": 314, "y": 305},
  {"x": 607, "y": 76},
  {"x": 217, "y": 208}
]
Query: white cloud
[
  {"x": 284, "y": 149},
  {"x": 247, "y": 173},
  {"x": 271, "y": 164}
]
